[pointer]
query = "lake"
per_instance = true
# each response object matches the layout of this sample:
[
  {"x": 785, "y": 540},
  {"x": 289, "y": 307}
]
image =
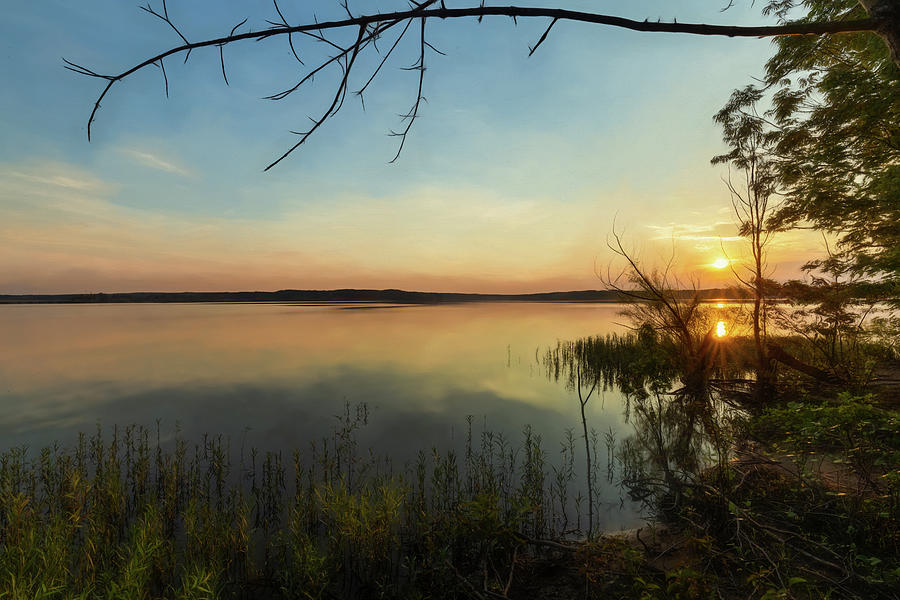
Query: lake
[{"x": 274, "y": 376}]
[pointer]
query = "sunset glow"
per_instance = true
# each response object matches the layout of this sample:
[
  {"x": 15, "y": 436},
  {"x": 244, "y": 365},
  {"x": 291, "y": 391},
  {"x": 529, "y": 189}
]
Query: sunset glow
[{"x": 505, "y": 185}]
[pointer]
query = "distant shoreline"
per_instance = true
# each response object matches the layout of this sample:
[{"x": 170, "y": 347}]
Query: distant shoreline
[{"x": 389, "y": 296}]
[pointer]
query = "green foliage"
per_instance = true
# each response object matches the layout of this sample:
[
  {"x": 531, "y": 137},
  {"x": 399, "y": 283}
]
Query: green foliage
[
  {"x": 122, "y": 518},
  {"x": 363, "y": 532},
  {"x": 780, "y": 534},
  {"x": 831, "y": 137},
  {"x": 832, "y": 328},
  {"x": 198, "y": 583},
  {"x": 307, "y": 571},
  {"x": 643, "y": 363},
  {"x": 139, "y": 560},
  {"x": 787, "y": 528},
  {"x": 687, "y": 584},
  {"x": 612, "y": 566},
  {"x": 855, "y": 430}
]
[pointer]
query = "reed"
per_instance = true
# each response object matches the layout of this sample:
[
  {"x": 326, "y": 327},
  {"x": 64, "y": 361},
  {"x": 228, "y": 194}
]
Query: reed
[{"x": 123, "y": 515}]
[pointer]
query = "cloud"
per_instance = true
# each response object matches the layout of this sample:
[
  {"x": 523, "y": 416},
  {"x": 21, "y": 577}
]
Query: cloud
[
  {"x": 64, "y": 229},
  {"x": 723, "y": 231},
  {"x": 55, "y": 176},
  {"x": 153, "y": 161}
]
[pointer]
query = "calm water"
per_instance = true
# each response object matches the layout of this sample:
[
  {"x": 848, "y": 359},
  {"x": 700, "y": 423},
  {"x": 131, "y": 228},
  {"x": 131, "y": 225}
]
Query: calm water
[{"x": 275, "y": 376}]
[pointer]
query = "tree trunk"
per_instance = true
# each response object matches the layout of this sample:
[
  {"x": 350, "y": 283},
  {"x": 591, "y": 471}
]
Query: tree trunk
[
  {"x": 778, "y": 353},
  {"x": 887, "y": 14}
]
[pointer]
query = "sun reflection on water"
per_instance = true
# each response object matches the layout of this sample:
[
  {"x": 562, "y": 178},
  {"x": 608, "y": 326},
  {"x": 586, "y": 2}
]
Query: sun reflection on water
[{"x": 720, "y": 329}]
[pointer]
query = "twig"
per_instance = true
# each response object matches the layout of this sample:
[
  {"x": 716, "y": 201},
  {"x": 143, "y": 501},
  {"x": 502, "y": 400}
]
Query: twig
[
  {"x": 290, "y": 36},
  {"x": 383, "y": 60},
  {"x": 338, "y": 98},
  {"x": 162, "y": 67},
  {"x": 543, "y": 37},
  {"x": 411, "y": 116}
]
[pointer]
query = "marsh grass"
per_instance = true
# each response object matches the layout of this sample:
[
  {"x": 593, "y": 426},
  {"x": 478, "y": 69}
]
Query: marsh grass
[{"x": 124, "y": 515}]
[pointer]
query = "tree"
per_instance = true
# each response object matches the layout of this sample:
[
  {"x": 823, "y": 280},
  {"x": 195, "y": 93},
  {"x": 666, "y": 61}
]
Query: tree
[
  {"x": 837, "y": 327},
  {"x": 833, "y": 138},
  {"x": 749, "y": 144},
  {"x": 881, "y": 17},
  {"x": 830, "y": 146},
  {"x": 657, "y": 300}
]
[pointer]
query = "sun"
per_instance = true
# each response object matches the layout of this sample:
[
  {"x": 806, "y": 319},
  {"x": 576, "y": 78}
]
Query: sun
[{"x": 721, "y": 263}]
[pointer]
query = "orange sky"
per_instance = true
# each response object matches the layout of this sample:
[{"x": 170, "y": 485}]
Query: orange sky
[
  {"x": 511, "y": 180},
  {"x": 63, "y": 233}
]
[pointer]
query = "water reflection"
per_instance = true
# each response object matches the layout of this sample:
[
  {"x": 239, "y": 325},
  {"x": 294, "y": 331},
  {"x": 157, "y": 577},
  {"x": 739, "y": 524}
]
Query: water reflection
[
  {"x": 675, "y": 400},
  {"x": 274, "y": 376}
]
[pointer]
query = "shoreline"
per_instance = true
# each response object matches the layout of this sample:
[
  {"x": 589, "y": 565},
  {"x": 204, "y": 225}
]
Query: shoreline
[{"x": 363, "y": 296}]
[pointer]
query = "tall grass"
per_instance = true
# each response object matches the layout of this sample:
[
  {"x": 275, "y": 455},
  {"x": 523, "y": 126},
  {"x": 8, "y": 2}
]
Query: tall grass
[{"x": 122, "y": 515}]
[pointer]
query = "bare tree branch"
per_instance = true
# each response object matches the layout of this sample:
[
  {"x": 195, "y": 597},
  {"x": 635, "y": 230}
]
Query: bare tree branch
[
  {"x": 371, "y": 26},
  {"x": 165, "y": 79},
  {"x": 410, "y": 117},
  {"x": 384, "y": 60},
  {"x": 335, "y": 104},
  {"x": 285, "y": 24},
  {"x": 222, "y": 54},
  {"x": 543, "y": 37}
]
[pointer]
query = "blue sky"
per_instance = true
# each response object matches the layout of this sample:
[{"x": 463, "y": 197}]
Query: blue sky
[{"x": 509, "y": 181}]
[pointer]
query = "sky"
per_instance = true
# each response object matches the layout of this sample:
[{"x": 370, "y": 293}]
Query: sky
[{"x": 512, "y": 180}]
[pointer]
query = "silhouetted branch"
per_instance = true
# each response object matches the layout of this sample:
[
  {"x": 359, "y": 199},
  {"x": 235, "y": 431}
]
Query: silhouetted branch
[
  {"x": 162, "y": 67},
  {"x": 371, "y": 26},
  {"x": 84, "y": 70},
  {"x": 164, "y": 17},
  {"x": 381, "y": 64},
  {"x": 410, "y": 117},
  {"x": 335, "y": 104},
  {"x": 543, "y": 37}
]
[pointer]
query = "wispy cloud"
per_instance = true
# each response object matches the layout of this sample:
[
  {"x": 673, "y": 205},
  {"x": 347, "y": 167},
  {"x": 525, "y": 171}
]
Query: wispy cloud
[
  {"x": 51, "y": 176},
  {"x": 723, "y": 231},
  {"x": 64, "y": 229},
  {"x": 153, "y": 161}
]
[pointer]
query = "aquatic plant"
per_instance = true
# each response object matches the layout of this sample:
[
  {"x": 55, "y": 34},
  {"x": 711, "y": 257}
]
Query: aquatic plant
[{"x": 124, "y": 515}]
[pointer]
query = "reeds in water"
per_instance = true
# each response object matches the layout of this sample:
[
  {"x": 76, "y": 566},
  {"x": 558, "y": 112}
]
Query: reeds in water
[{"x": 123, "y": 515}]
